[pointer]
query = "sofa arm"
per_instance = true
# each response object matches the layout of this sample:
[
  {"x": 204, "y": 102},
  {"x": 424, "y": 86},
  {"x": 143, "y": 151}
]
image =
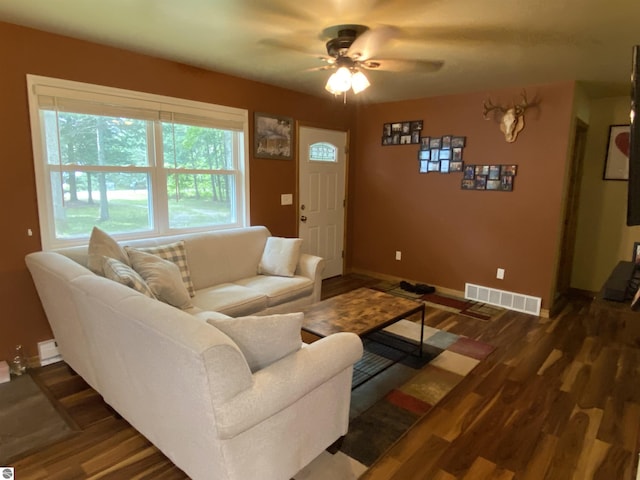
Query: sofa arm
[
  {"x": 286, "y": 381},
  {"x": 311, "y": 266}
]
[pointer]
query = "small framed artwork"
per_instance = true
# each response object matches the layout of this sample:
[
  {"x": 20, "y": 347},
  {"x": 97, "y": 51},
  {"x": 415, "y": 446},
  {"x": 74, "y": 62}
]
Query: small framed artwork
[
  {"x": 446, "y": 141},
  {"x": 435, "y": 154},
  {"x": 433, "y": 166},
  {"x": 424, "y": 154},
  {"x": 468, "y": 184},
  {"x": 506, "y": 183},
  {"x": 445, "y": 154},
  {"x": 424, "y": 143},
  {"x": 455, "y": 167},
  {"x": 444, "y": 166},
  {"x": 457, "y": 154},
  {"x": 635, "y": 258},
  {"x": 469, "y": 172},
  {"x": 272, "y": 136},
  {"x": 616, "y": 162},
  {"x": 481, "y": 182},
  {"x": 482, "y": 170},
  {"x": 508, "y": 170},
  {"x": 458, "y": 142},
  {"x": 424, "y": 166},
  {"x": 416, "y": 126},
  {"x": 435, "y": 142},
  {"x": 493, "y": 184},
  {"x": 494, "y": 172}
]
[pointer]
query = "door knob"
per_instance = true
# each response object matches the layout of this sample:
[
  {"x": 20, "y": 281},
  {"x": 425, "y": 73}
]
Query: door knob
[{"x": 303, "y": 219}]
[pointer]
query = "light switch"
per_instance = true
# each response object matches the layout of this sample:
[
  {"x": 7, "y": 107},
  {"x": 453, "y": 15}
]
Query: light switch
[{"x": 286, "y": 199}]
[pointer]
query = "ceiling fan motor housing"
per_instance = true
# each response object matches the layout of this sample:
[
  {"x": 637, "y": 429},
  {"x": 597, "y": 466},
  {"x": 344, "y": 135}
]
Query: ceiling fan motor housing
[{"x": 338, "y": 46}]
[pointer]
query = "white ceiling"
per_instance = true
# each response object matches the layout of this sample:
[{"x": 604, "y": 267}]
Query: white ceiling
[{"x": 484, "y": 44}]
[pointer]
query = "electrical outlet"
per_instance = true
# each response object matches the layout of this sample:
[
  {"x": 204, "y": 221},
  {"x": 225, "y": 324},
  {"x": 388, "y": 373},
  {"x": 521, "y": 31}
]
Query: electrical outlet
[
  {"x": 398, "y": 255},
  {"x": 500, "y": 274}
]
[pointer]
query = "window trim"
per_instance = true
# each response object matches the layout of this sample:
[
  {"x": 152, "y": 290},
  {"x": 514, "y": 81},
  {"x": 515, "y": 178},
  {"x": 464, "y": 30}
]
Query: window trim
[{"x": 218, "y": 114}]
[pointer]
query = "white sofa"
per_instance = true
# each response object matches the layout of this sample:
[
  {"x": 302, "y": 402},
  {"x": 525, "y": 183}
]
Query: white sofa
[{"x": 186, "y": 385}]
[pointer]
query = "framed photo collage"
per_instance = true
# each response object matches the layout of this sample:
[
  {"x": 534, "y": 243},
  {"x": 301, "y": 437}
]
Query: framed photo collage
[
  {"x": 402, "y": 133},
  {"x": 445, "y": 155},
  {"x": 441, "y": 154},
  {"x": 489, "y": 177}
]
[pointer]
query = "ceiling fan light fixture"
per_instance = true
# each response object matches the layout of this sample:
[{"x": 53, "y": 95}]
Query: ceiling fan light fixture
[
  {"x": 340, "y": 81},
  {"x": 359, "y": 82}
]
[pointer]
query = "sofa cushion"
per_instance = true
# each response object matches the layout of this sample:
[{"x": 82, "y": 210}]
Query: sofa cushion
[
  {"x": 230, "y": 299},
  {"x": 162, "y": 276},
  {"x": 205, "y": 315},
  {"x": 176, "y": 253},
  {"x": 263, "y": 340},
  {"x": 280, "y": 256},
  {"x": 119, "y": 272},
  {"x": 101, "y": 244},
  {"x": 279, "y": 289}
]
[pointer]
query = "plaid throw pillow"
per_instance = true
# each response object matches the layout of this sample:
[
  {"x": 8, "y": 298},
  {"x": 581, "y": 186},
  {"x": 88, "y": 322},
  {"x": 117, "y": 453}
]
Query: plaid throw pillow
[
  {"x": 176, "y": 253},
  {"x": 119, "y": 272}
]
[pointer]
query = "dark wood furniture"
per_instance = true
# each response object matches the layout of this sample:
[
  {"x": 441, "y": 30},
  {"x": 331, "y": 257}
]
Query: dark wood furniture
[
  {"x": 361, "y": 311},
  {"x": 364, "y": 311}
]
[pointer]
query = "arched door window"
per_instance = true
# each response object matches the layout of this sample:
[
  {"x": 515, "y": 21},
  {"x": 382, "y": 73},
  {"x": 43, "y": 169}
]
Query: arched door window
[{"x": 323, "y": 152}]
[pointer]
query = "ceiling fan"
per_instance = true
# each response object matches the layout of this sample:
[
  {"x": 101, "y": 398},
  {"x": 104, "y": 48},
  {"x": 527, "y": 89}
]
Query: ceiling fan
[{"x": 351, "y": 50}]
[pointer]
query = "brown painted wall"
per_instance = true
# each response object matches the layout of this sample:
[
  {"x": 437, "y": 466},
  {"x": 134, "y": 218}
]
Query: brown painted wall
[
  {"x": 24, "y": 51},
  {"x": 447, "y": 236},
  {"x": 450, "y": 236}
]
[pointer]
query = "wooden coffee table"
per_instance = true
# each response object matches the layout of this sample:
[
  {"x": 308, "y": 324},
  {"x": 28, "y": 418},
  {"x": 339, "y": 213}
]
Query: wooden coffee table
[{"x": 362, "y": 311}]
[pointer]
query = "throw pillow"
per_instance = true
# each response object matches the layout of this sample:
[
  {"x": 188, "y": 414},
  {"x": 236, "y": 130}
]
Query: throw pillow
[
  {"x": 162, "y": 276},
  {"x": 263, "y": 340},
  {"x": 119, "y": 272},
  {"x": 176, "y": 253},
  {"x": 280, "y": 256},
  {"x": 102, "y": 245}
]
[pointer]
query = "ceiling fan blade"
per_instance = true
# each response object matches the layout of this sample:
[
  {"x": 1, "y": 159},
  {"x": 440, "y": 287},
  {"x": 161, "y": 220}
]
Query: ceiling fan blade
[
  {"x": 488, "y": 34},
  {"x": 369, "y": 42},
  {"x": 289, "y": 45},
  {"x": 320, "y": 69},
  {"x": 401, "y": 65}
]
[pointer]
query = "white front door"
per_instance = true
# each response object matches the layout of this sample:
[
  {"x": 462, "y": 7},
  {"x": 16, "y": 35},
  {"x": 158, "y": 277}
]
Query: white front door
[{"x": 322, "y": 155}]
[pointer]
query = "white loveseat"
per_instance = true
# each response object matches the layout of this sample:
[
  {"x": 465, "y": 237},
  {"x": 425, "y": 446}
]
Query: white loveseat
[{"x": 186, "y": 385}]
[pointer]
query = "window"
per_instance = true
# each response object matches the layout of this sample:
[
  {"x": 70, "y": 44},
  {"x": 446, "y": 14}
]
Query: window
[
  {"x": 134, "y": 164},
  {"x": 323, "y": 152}
]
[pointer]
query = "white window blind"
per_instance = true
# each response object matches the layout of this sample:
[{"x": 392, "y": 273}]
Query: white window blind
[{"x": 135, "y": 164}]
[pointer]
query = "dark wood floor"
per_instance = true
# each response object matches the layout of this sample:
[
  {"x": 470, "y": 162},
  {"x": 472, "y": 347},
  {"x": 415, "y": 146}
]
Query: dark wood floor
[{"x": 558, "y": 399}]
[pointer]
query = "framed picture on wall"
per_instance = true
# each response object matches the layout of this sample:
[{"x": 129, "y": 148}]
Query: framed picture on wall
[
  {"x": 616, "y": 162},
  {"x": 272, "y": 136}
]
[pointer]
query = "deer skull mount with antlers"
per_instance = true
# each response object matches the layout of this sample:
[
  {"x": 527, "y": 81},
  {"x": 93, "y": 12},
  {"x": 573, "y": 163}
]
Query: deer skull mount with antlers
[{"x": 511, "y": 117}]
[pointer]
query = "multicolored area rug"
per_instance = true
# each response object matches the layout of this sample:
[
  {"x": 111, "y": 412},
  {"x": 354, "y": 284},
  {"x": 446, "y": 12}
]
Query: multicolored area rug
[
  {"x": 461, "y": 306},
  {"x": 469, "y": 308},
  {"x": 388, "y": 405}
]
